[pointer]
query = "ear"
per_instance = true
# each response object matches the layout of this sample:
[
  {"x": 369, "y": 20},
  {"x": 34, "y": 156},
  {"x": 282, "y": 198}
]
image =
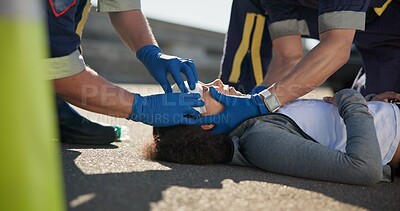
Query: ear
[{"x": 207, "y": 127}]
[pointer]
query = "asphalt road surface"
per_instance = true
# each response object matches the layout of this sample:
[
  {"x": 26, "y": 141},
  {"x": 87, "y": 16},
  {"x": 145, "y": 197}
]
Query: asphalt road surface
[{"x": 117, "y": 177}]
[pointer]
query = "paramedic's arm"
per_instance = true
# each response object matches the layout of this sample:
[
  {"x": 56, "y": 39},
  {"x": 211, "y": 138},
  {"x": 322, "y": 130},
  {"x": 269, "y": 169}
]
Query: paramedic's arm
[
  {"x": 92, "y": 92},
  {"x": 133, "y": 28},
  {"x": 287, "y": 52},
  {"x": 321, "y": 62}
]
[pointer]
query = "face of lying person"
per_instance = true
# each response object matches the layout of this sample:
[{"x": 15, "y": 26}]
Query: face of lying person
[{"x": 212, "y": 105}]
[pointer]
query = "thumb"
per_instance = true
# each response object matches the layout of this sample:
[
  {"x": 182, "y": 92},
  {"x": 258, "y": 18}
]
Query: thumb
[
  {"x": 330, "y": 100},
  {"x": 166, "y": 86},
  {"x": 218, "y": 96}
]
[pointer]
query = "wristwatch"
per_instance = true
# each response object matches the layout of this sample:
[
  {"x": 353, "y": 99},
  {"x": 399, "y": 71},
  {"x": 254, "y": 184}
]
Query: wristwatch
[{"x": 270, "y": 101}]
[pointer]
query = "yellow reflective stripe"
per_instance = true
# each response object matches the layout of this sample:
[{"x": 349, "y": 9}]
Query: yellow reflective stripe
[
  {"x": 243, "y": 48},
  {"x": 255, "y": 49},
  {"x": 85, "y": 14},
  {"x": 380, "y": 10}
]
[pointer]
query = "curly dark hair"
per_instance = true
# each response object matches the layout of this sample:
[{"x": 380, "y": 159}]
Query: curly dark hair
[{"x": 188, "y": 145}]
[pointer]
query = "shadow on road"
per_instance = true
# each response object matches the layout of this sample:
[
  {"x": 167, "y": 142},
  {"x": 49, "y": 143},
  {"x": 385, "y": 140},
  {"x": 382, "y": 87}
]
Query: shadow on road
[{"x": 137, "y": 190}]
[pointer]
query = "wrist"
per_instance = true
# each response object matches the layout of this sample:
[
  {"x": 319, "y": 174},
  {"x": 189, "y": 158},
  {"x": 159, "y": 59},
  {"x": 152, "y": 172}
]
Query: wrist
[
  {"x": 261, "y": 105},
  {"x": 147, "y": 51},
  {"x": 271, "y": 101},
  {"x": 258, "y": 89},
  {"x": 137, "y": 107}
]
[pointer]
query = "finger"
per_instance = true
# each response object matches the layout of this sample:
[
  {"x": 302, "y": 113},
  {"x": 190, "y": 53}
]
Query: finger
[
  {"x": 397, "y": 96},
  {"x": 190, "y": 96},
  {"x": 330, "y": 100},
  {"x": 187, "y": 70},
  {"x": 194, "y": 70},
  {"x": 198, "y": 103},
  {"x": 193, "y": 100},
  {"x": 386, "y": 96},
  {"x": 327, "y": 99},
  {"x": 192, "y": 112},
  {"x": 164, "y": 83},
  {"x": 218, "y": 96},
  {"x": 392, "y": 95},
  {"x": 166, "y": 86},
  {"x": 192, "y": 66},
  {"x": 176, "y": 75}
]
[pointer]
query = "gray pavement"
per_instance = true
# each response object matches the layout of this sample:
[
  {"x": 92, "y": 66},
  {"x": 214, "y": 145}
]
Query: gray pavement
[{"x": 116, "y": 177}]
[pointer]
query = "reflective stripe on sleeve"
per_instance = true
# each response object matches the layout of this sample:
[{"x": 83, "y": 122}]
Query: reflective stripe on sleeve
[
  {"x": 288, "y": 27},
  {"x": 61, "y": 67},
  {"x": 341, "y": 20},
  {"x": 117, "y": 5}
]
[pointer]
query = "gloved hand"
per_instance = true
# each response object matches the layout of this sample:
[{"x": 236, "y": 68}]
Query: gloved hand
[
  {"x": 237, "y": 110},
  {"x": 160, "y": 65},
  {"x": 166, "y": 109},
  {"x": 258, "y": 89}
]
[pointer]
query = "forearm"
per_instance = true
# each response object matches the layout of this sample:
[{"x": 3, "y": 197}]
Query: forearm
[
  {"x": 278, "y": 69},
  {"x": 287, "y": 52},
  {"x": 90, "y": 91},
  {"x": 133, "y": 28},
  {"x": 320, "y": 63}
]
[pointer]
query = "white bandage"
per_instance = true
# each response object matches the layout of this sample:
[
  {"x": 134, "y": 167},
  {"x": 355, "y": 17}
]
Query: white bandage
[{"x": 198, "y": 89}]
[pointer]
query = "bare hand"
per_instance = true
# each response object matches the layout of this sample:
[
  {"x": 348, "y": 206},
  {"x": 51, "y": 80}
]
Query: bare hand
[
  {"x": 387, "y": 97},
  {"x": 331, "y": 100}
]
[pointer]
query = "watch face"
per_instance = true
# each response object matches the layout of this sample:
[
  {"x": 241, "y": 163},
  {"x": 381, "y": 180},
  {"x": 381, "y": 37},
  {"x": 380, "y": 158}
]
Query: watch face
[{"x": 272, "y": 103}]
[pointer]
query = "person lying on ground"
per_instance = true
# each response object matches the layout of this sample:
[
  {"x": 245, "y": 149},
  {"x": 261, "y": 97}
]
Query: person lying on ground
[{"x": 354, "y": 142}]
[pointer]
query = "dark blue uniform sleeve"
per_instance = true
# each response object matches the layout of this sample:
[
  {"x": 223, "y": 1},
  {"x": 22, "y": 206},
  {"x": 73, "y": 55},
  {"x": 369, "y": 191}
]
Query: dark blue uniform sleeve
[
  {"x": 61, "y": 25},
  {"x": 63, "y": 19}
]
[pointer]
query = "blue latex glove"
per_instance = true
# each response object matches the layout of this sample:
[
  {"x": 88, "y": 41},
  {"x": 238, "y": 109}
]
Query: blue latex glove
[
  {"x": 166, "y": 109},
  {"x": 237, "y": 110},
  {"x": 258, "y": 89},
  {"x": 160, "y": 65}
]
